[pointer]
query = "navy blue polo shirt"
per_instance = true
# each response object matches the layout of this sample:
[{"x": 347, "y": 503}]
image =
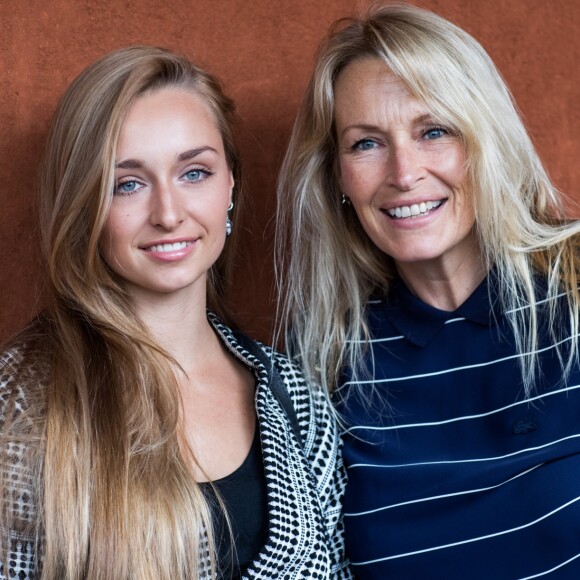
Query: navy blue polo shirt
[{"x": 453, "y": 474}]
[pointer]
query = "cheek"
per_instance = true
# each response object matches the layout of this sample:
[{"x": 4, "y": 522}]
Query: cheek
[
  {"x": 212, "y": 212},
  {"x": 348, "y": 175},
  {"x": 453, "y": 169},
  {"x": 351, "y": 182},
  {"x": 116, "y": 232},
  {"x": 360, "y": 180},
  {"x": 116, "y": 226}
]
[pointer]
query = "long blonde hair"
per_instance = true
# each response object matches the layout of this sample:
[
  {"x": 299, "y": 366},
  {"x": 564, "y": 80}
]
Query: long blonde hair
[
  {"x": 113, "y": 477},
  {"x": 333, "y": 266}
]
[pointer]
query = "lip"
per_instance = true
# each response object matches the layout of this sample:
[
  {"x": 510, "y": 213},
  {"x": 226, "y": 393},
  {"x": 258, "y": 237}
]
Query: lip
[{"x": 153, "y": 249}]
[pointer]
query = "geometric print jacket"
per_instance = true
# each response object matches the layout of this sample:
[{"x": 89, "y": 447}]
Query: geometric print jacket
[{"x": 305, "y": 479}]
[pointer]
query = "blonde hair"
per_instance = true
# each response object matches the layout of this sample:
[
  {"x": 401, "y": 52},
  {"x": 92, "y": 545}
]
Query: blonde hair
[
  {"x": 114, "y": 483},
  {"x": 334, "y": 267}
]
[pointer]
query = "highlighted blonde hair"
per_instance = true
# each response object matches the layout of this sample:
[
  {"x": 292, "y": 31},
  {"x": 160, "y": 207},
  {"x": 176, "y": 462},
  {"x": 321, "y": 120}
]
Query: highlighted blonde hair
[
  {"x": 333, "y": 267},
  {"x": 114, "y": 486}
]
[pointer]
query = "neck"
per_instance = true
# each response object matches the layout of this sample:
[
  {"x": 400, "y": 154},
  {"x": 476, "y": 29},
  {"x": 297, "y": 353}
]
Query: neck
[
  {"x": 178, "y": 323},
  {"x": 445, "y": 286}
]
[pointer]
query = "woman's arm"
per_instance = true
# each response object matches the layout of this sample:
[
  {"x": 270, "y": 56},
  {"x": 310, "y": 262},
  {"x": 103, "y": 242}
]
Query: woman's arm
[
  {"x": 326, "y": 457},
  {"x": 17, "y": 493},
  {"x": 322, "y": 446}
]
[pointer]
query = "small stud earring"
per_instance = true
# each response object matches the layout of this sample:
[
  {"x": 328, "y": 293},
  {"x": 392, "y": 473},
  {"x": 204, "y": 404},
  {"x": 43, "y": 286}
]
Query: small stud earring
[
  {"x": 229, "y": 224},
  {"x": 344, "y": 200}
]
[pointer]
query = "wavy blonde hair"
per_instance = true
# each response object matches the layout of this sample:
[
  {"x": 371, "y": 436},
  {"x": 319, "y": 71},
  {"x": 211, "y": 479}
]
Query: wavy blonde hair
[
  {"x": 115, "y": 490},
  {"x": 333, "y": 267}
]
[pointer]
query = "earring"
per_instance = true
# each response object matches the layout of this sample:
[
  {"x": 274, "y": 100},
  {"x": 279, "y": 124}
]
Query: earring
[
  {"x": 344, "y": 200},
  {"x": 229, "y": 224}
]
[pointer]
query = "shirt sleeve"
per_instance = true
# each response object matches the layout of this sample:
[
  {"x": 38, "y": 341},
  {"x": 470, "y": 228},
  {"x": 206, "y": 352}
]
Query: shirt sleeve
[
  {"x": 326, "y": 457},
  {"x": 322, "y": 446},
  {"x": 17, "y": 529}
]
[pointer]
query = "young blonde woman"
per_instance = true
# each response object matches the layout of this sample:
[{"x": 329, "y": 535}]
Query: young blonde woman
[
  {"x": 140, "y": 437},
  {"x": 433, "y": 285}
]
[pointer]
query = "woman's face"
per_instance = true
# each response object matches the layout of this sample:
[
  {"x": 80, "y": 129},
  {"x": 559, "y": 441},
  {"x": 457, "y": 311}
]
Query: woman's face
[
  {"x": 166, "y": 224},
  {"x": 403, "y": 171}
]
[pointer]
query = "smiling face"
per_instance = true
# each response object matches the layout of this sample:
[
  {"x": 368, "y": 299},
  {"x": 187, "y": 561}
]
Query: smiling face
[
  {"x": 166, "y": 225},
  {"x": 403, "y": 171}
]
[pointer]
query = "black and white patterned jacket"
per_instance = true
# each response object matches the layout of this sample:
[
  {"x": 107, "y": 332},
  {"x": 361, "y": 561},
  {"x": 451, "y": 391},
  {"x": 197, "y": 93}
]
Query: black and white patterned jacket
[{"x": 305, "y": 479}]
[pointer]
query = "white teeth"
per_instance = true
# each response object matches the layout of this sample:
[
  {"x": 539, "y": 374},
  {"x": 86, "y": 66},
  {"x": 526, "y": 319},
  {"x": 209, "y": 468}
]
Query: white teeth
[
  {"x": 169, "y": 247},
  {"x": 417, "y": 209}
]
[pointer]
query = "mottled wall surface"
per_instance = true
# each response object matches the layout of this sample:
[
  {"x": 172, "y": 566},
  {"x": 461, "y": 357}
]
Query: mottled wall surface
[{"x": 263, "y": 51}]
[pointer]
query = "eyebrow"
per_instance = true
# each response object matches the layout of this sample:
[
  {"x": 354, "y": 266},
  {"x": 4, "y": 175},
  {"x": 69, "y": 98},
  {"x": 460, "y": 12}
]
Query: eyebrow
[
  {"x": 370, "y": 128},
  {"x": 185, "y": 156},
  {"x": 360, "y": 127}
]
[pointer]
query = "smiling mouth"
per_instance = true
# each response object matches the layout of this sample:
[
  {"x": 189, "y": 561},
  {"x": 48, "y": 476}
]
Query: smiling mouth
[
  {"x": 168, "y": 247},
  {"x": 415, "y": 210}
]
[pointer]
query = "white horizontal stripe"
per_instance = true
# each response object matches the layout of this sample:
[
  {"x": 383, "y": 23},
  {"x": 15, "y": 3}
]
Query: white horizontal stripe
[
  {"x": 393, "y": 338},
  {"x": 470, "y": 540},
  {"x": 526, "y": 306},
  {"x": 450, "y": 321},
  {"x": 462, "y": 418},
  {"x": 552, "y": 569},
  {"x": 375, "y": 340},
  {"x": 456, "y": 369},
  {"x": 443, "y": 496},
  {"x": 519, "y": 308},
  {"x": 475, "y": 460},
  {"x": 538, "y": 302}
]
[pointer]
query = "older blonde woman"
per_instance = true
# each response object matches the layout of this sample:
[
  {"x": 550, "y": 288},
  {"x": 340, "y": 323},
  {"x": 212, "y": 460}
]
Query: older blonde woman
[{"x": 432, "y": 287}]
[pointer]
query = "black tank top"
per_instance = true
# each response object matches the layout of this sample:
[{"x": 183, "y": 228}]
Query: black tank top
[{"x": 244, "y": 494}]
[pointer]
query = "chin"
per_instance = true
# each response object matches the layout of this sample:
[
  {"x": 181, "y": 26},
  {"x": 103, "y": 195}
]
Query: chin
[{"x": 413, "y": 257}]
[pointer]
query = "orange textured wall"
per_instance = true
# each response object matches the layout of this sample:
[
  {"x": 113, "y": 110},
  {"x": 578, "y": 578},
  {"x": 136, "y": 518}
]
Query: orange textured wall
[{"x": 263, "y": 51}]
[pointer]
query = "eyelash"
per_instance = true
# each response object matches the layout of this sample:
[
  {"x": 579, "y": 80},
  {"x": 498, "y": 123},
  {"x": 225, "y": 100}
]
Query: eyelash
[
  {"x": 120, "y": 183},
  {"x": 443, "y": 130},
  {"x": 205, "y": 173},
  {"x": 356, "y": 146}
]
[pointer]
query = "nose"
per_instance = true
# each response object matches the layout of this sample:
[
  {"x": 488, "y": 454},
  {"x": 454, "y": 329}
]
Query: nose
[
  {"x": 166, "y": 211},
  {"x": 405, "y": 167}
]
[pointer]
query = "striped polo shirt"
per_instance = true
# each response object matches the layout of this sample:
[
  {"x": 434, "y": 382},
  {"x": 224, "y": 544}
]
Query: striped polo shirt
[{"x": 453, "y": 474}]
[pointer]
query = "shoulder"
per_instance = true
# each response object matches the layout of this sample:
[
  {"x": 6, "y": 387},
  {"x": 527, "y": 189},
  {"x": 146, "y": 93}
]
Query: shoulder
[
  {"x": 311, "y": 404},
  {"x": 254, "y": 351},
  {"x": 23, "y": 376},
  {"x": 314, "y": 412},
  {"x": 13, "y": 373},
  {"x": 23, "y": 372},
  {"x": 260, "y": 355},
  {"x": 288, "y": 369}
]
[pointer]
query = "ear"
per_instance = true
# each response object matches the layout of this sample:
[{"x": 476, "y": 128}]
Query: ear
[{"x": 232, "y": 185}]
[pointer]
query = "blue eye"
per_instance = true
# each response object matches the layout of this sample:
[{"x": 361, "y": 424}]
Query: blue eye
[
  {"x": 435, "y": 133},
  {"x": 364, "y": 145},
  {"x": 126, "y": 187},
  {"x": 196, "y": 175}
]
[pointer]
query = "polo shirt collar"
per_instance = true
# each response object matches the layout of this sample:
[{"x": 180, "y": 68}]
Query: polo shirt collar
[{"x": 419, "y": 322}]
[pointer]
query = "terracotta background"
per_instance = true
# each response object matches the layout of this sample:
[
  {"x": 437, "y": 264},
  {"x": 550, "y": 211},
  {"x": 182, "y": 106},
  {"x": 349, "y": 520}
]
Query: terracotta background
[{"x": 263, "y": 52}]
